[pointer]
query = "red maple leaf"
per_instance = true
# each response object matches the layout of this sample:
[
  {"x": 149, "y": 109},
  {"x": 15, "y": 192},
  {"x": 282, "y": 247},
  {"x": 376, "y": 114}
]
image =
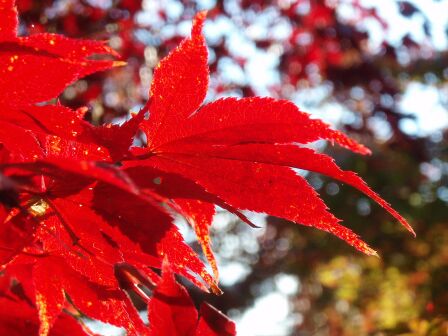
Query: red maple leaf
[{"x": 241, "y": 150}]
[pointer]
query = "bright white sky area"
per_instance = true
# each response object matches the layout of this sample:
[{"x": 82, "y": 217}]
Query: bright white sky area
[{"x": 425, "y": 102}]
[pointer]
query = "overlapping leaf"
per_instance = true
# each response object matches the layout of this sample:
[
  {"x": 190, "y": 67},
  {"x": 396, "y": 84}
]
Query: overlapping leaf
[
  {"x": 27, "y": 63},
  {"x": 53, "y": 278},
  {"x": 172, "y": 312},
  {"x": 17, "y": 318}
]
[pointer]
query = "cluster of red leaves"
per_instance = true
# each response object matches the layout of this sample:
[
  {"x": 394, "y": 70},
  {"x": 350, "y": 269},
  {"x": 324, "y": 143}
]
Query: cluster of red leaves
[{"x": 86, "y": 217}]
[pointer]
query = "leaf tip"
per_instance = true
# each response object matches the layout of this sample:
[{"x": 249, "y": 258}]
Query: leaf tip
[
  {"x": 366, "y": 249},
  {"x": 119, "y": 63},
  {"x": 405, "y": 223},
  {"x": 215, "y": 289},
  {"x": 198, "y": 23},
  {"x": 374, "y": 253},
  {"x": 365, "y": 150},
  {"x": 357, "y": 147}
]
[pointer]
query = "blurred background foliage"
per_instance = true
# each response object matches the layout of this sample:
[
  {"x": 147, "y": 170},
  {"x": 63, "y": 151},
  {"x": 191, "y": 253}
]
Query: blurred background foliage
[{"x": 378, "y": 70}]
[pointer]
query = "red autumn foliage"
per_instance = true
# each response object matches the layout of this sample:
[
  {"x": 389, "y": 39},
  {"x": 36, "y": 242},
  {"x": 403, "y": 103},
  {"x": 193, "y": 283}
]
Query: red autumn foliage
[{"x": 86, "y": 216}]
